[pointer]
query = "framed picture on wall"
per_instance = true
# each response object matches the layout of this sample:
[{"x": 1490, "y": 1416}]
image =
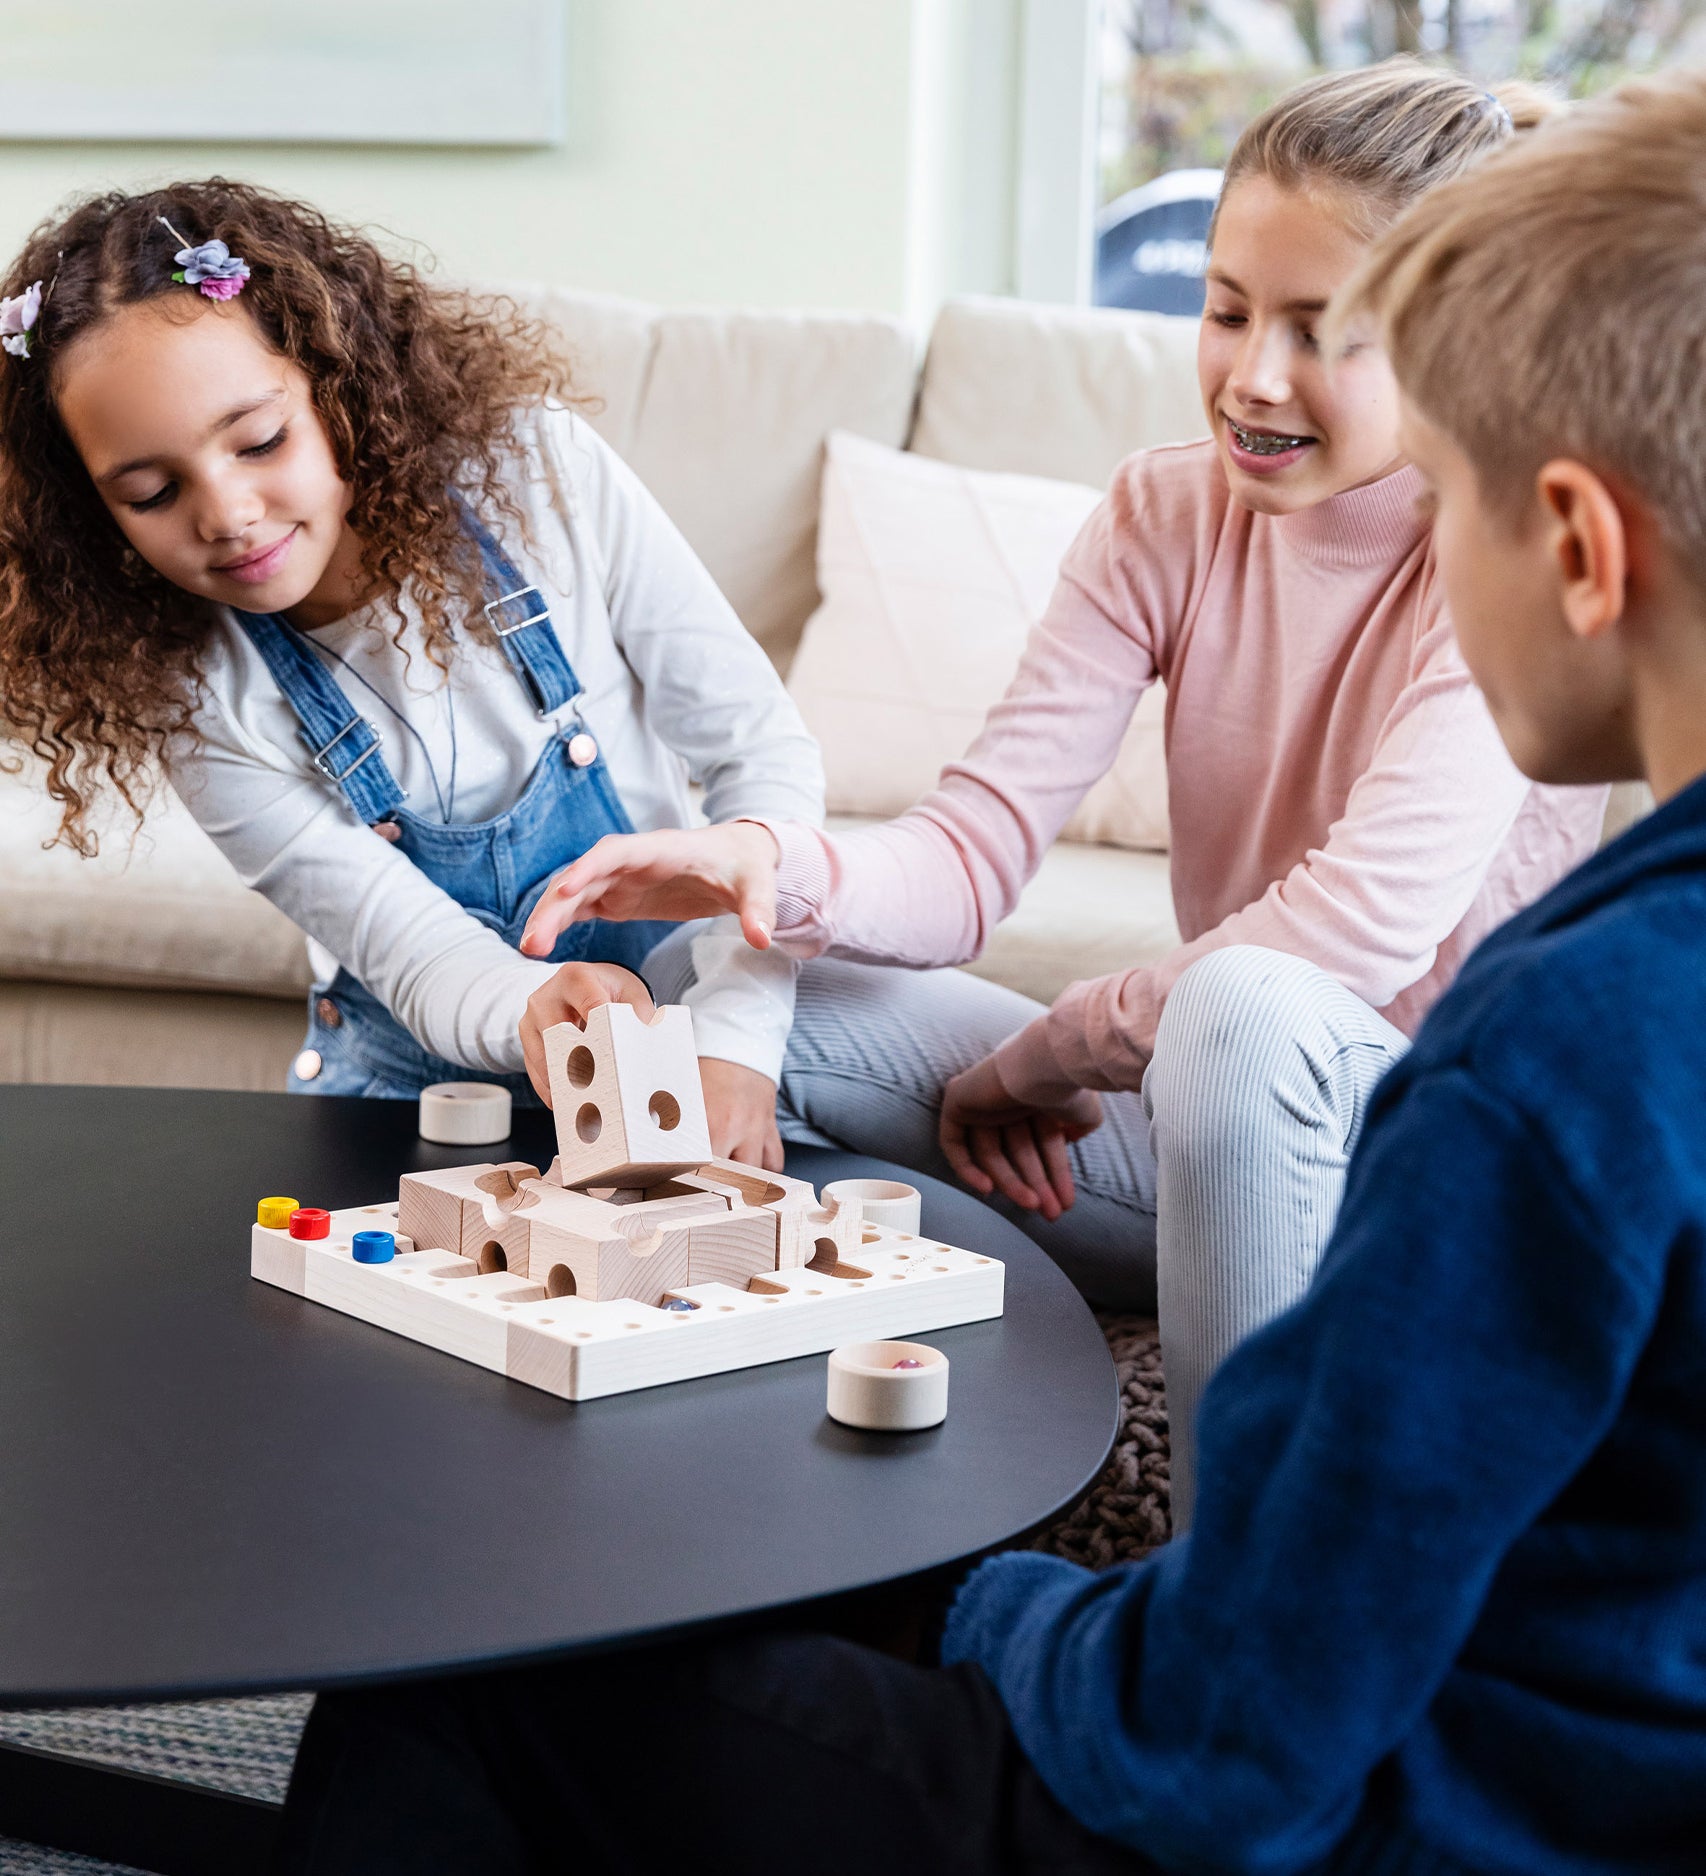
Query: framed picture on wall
[{"x": 285, "y": 71}]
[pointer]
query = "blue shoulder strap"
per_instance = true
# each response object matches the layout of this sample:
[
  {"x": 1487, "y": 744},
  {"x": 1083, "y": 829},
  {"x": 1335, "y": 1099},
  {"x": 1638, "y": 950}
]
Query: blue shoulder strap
[
  {"x": 344, "y": 744},
  {"x": 522, "y": 621}
]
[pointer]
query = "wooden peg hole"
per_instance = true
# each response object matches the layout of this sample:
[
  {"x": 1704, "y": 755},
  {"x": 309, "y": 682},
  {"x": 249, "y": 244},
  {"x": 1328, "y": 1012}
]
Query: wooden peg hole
[
  {"x": 665, "y": 1111},
  {"x": 560, "y": 1281},
  {"x": 492, "y": 1258},
  {"x": 580, "y": 1068},
  {"x": 725, "y": 1309},
  {"x": 589, "y": 1123}
]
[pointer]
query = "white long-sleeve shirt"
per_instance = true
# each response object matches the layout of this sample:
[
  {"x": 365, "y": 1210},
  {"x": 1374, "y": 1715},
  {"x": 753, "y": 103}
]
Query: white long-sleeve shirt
[{"x": 675, "y": 691}]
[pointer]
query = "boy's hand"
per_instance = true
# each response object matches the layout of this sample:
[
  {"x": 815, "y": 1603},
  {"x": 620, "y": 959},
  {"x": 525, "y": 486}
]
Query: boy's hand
[
  {"x": 676, "y": 873},
  {"x": 566, "y": 998},
  {"x": 996, "y": 1143},
  {"x": 741, "y": 1106}
]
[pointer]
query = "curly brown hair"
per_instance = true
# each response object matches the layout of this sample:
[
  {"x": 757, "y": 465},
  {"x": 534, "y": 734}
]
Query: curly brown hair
[{"x": 419, "y": 388}]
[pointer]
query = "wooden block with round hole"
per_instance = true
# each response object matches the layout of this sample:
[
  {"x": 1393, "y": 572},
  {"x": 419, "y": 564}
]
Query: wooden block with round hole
[
  {"x": 463, "y": 1208},
  {"x": 602, "y": 1269},
  {"x": 626, "y": 1095}
]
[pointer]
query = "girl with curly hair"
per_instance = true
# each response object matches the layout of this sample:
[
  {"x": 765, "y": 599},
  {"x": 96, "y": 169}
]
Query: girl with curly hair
[{"x": 334, "y": 547}]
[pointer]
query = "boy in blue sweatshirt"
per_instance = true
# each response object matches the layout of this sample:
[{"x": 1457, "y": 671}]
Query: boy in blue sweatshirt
[{"x": 1444, "y": 1604}]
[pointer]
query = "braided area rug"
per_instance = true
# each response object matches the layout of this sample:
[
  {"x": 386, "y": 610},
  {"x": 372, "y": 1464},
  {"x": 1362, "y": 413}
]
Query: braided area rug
[
  {"x": 1124, "y": 1516},
  {"x": 247, "y": 1746}
]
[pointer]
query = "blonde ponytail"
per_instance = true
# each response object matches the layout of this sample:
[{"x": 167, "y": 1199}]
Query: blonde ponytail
[{"x": 1377, "y": 138}]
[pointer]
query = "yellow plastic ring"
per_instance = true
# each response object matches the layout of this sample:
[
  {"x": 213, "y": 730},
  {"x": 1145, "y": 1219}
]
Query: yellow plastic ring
[{"x": 275, "y": 1213}]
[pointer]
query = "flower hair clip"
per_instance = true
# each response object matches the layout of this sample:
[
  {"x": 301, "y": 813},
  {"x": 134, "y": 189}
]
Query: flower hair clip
[
  {"x": 18, "y": 316},
  {"x": 209, "y": 265}
]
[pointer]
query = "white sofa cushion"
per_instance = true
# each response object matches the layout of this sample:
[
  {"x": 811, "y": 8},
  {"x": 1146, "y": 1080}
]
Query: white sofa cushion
[
  {"x": 168, "y": 913},
  {"x": 722, "y": 414},
  {"x": 932, "y": 578},
  {"x": 1089, "y": 911},
  {"x": 1055, "y": 390}
]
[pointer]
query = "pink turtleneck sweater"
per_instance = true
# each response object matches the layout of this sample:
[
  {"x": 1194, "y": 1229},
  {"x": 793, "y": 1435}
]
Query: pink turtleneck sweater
[{"x": 1337, "y": 788}]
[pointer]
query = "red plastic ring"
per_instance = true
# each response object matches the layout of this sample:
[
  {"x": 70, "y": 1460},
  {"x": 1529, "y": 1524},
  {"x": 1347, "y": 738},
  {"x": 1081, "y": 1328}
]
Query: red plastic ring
[{"x": 310, "y": 1222}]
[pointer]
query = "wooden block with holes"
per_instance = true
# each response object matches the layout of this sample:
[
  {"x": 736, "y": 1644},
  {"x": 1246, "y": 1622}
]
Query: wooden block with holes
[
  {"x": 626, "y": 1094},
  {"x": 463, "y": 1209}
]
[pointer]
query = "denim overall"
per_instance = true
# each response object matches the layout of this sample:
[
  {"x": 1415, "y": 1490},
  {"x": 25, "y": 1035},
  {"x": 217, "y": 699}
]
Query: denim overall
[{"x": 495, "y": 869}]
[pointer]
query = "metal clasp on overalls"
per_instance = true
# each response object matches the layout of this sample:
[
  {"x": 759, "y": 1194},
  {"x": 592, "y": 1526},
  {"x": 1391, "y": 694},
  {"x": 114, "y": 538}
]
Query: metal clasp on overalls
[
  {"x": 322, "y": 757},
  {"x": 532, "y": 595}
]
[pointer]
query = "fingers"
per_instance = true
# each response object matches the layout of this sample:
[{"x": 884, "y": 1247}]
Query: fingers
[
  {"x": 956, "y": 1149},
  {"x": 1020, "y": 1141},
  {"x": 576, "y": 890},
  {"x": 758, "y": 908},
  {"x": 533, "y": 1055},
  {"x": 989, "y": 1148},
  {"x": 1057, "y": 1158}
]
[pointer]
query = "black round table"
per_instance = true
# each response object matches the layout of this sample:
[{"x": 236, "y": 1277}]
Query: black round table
[{"x": 209, "y": 1486}]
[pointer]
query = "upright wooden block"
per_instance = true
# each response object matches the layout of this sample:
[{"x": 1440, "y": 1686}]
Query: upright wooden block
[
  {"x": 627, "y": 1097},
  {"x": 468, "y": 1210}
]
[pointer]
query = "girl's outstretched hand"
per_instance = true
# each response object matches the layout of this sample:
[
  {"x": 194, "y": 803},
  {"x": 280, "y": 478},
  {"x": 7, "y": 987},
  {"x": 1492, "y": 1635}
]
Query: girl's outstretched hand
[
  {"x": 675, "y": 873},
  {"x": 566, "y": 998},
  {"x": 995, "y": 1143}
]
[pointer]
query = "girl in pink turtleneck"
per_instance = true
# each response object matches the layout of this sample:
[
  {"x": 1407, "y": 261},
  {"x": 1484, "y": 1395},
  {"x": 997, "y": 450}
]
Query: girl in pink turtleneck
[{"x": 1345, "y": 821}]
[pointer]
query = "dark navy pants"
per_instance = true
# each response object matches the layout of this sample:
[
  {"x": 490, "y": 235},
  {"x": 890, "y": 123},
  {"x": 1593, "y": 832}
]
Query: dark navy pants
[{"x": 787, "y": 1753}]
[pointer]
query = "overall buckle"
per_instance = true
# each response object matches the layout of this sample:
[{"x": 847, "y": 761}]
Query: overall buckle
[
  {"x": 322, "y": 757},
  {"x": 531, "y": 596}
]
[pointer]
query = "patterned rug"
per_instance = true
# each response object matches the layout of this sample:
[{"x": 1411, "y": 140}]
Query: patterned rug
[{"x": 247, "y": 1746}]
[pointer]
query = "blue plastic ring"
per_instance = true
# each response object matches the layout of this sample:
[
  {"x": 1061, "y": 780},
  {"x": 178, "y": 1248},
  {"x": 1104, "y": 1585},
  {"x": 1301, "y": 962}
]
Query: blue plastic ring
[{"x": 373, "y": 1247}]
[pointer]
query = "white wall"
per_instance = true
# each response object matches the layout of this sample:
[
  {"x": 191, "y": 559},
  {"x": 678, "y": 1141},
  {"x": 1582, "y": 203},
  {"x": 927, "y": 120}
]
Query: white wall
[{"x": 815, "y": 153}]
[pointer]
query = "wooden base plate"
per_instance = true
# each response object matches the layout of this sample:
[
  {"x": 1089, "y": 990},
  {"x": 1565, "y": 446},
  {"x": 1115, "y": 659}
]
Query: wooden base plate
[{"x": 579, "y": 1350}]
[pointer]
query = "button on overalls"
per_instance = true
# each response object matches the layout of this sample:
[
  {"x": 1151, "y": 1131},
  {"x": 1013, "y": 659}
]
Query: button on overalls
[{"x": 494, "y": 869}]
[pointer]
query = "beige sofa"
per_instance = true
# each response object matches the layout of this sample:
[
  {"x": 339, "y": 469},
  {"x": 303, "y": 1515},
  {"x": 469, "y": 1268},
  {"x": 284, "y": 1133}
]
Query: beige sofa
[
  {"x": 155, "y": 966},
  {"x": 152, "y": 964}
]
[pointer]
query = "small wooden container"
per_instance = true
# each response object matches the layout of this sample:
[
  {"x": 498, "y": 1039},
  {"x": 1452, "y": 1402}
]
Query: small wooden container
[
  {"x": 884, "y": 1202},
  {"x": 465, "y": 1113},
  {"x": 867, "y": 1388}
]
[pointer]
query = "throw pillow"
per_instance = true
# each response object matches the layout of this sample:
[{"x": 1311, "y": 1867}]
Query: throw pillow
[{"x": 932, "y": 577}]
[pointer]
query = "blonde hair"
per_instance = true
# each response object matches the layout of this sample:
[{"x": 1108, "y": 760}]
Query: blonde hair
[
  {"x": 1374, "y": 140},
  {"x": 1554, "y": 304}
]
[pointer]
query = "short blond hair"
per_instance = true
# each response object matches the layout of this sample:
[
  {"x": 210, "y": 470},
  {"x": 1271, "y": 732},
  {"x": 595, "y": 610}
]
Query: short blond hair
[
  {"x": 1376, "y": 138},
  {"x": 1553, "y": 304}
]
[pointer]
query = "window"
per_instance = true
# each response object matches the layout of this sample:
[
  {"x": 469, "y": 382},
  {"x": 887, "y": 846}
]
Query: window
[{"x": 1180, "y": 78}]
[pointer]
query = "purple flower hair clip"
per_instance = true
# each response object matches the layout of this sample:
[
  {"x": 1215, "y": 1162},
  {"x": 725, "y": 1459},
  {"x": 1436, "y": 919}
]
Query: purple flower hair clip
[
  {"x": 211, "y": 266},
  {"x": 18, "y": 316}
]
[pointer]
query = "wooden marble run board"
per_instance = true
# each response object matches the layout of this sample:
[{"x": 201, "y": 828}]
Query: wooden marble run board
[{"x": 636, "y": 1258}]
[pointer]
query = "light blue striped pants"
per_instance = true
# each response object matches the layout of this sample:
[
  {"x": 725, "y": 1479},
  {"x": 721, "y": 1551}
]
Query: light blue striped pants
[{"x": 1209, "y": 1196}]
